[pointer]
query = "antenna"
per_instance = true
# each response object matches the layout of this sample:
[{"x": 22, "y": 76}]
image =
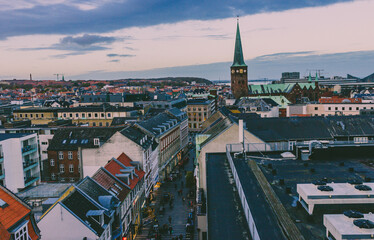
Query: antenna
[{"x": 59, "y": 74}]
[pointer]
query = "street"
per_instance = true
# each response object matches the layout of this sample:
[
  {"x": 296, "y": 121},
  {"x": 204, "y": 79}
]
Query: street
[{"x": 180, "y": 210}]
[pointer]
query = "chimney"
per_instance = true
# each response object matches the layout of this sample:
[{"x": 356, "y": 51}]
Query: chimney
[{"x": 241, "y": 131}]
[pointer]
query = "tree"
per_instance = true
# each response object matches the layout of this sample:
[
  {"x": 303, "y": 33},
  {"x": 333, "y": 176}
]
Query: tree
[{"x": 190, "y": 180}]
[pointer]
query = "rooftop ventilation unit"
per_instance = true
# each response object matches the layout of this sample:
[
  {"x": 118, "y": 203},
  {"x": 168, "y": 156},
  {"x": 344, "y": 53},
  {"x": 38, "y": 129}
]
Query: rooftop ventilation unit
[
  {"x": 353, "y": 214},
  {"x": 363, "y": 187},
  {"x": 325, "y": 188},
  {"x": 364, "y": 223}
]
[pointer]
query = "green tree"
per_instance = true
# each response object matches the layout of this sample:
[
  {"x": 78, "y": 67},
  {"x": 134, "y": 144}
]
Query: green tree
[{"x": 190, "y": 180}]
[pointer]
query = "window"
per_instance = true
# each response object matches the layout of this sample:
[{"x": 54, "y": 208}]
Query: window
[
  {"x": 315, "y": 108},
  {"x": 20, "y": 115},
  {"x": 37, "y": 115},
  {"x": 89, "y": 115},
  {"x": 107, "y": 124},
  {"x": 336, "y": 108},
  {"x": 96, "y": 141},
  {"x": 357, "y": 108},
  {"x": 70, "y": 155},
  {"x": 53, "y": 176},
  {"x": 83, "y": 115},
  {"x": 64, "y": 114},
  {"x": 60, "y": 155},
  {"x": 343, "y": 108},
  {"x": 94, "y": 124},
  {"x": 26, "y": 115},
  {"x": 360, "y": 139},
  {"x": 109, "y": 115},
  {"x": 350, "y": 108},
  {"x": 71, "y": 168},
  {"x": 102, "y": 115},
  {"x": 22, "y": 233},
  {"x": 31, "y": 115},
  {"x": 42, "y": 115},
  {"x": 52, "y": 162},
  {"x": 62, "y": 168},
  {"x": 96, "y": 115},
  {"x": 71, "y": 115},
  {"x": 77, "y": 115},
  {"x": 44, "y": 143},
  {"x": 100, "y": 124}
]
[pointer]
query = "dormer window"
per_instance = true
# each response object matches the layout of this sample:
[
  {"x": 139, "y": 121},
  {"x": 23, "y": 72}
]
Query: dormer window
[
  {"x": 96, "y": 141},
  {"x": 22, "y": 232}
]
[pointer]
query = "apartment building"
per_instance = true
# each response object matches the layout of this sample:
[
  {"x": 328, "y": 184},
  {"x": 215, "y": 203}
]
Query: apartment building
[
  {"x": 165, "y": 129},
  {"x": 198, "y": 111},
  {"x": 65, "y": 151},
  {"x": 37, "y": 115},
  {"x": 328, "y": 109},
  {"x": 93, "y": 115},
  {"x": 19, "y": 161}
]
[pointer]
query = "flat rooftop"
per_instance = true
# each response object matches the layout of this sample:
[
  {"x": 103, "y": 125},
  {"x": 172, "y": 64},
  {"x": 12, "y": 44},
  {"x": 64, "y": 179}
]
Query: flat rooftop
[
  {"x": 284, "y": 175},
  {"x": 342, "y": 227},
  {"x": 226, "y": 219}
]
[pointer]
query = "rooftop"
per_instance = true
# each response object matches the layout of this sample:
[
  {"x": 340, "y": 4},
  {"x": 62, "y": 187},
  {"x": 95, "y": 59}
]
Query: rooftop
[
  {"x": 283, "y": 177},
  {"x": 5, "y": 136},
  {"x": 72, "y": 138}
]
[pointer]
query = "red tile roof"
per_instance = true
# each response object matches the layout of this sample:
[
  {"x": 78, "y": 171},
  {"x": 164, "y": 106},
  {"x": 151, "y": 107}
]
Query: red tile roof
[
  {"x": 114, "y": 168},
  {"x": 13, "y": 212},
  {"x": 107, "y": 181}
]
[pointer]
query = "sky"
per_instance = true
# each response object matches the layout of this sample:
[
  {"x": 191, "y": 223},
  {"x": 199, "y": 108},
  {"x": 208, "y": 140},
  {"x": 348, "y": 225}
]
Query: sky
[{"x": 112, "y": 39}]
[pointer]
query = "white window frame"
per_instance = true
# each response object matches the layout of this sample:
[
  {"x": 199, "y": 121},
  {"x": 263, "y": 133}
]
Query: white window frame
[
  {"x": 71, "y": 168},
  {"x": 23, "y": 231},
  {"x": 70, "y": 155},
  {"x": 62, "y": 168},
  {"x": 60, "y": 155},
  {"x": 52, "y": 162}
]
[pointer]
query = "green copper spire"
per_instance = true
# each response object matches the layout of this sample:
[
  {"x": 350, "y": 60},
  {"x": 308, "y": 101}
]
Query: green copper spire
[
  {"x": 310, "y": 77},
  {"x": 316, "y": 77},
  {"x": 238, "y": 54}
]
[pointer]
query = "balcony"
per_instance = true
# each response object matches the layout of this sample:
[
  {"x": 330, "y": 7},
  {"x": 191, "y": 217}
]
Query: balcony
[
  {"x": 30, "y": 180},
  {"x": 29, "y": 149},
  {"x": 29, "y": 164}
]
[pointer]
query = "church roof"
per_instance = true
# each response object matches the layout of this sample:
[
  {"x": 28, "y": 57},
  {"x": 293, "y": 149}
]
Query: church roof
[{"x": 238, "y": 53}]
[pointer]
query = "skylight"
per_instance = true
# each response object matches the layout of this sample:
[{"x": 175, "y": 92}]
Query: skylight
[{"x": 3, "y": 204}]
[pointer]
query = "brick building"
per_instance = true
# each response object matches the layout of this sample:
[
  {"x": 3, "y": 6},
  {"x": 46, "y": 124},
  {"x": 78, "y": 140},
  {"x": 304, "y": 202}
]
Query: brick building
[{"x": 65, "y": 151}]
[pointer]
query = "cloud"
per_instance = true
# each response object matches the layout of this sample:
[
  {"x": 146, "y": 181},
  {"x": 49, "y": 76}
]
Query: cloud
[
  {"x": 74, "y": 16},
  {"x": 86, "y": 40},
  {"x": 120, "y": 55},
  {"x": 79, "y": 45},
  {"x": 283, "y": 55}
]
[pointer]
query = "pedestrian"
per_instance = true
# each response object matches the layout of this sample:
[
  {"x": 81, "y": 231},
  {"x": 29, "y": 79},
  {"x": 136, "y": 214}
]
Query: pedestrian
[
  {"x": 171, "y": 230},
  {"x": 169, "y": 218}
]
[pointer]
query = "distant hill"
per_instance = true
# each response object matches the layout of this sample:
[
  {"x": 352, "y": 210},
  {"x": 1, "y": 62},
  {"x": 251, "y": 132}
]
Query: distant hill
[{"x": 176, "y": 79}]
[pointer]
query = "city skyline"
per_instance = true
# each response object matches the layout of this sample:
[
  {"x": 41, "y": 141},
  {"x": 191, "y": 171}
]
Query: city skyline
[{"x": 335, "y": 36}]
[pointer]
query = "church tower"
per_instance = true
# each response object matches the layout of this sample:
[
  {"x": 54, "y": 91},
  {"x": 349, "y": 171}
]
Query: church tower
[{"x": 239, "y": 76}]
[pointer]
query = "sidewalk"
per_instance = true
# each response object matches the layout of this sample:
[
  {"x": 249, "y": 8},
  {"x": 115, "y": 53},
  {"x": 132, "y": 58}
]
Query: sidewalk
[{"x": 179, "y": 212}]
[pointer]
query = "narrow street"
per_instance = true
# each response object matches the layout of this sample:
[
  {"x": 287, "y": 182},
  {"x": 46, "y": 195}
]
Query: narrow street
[{"x": 180, "y": 210}]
